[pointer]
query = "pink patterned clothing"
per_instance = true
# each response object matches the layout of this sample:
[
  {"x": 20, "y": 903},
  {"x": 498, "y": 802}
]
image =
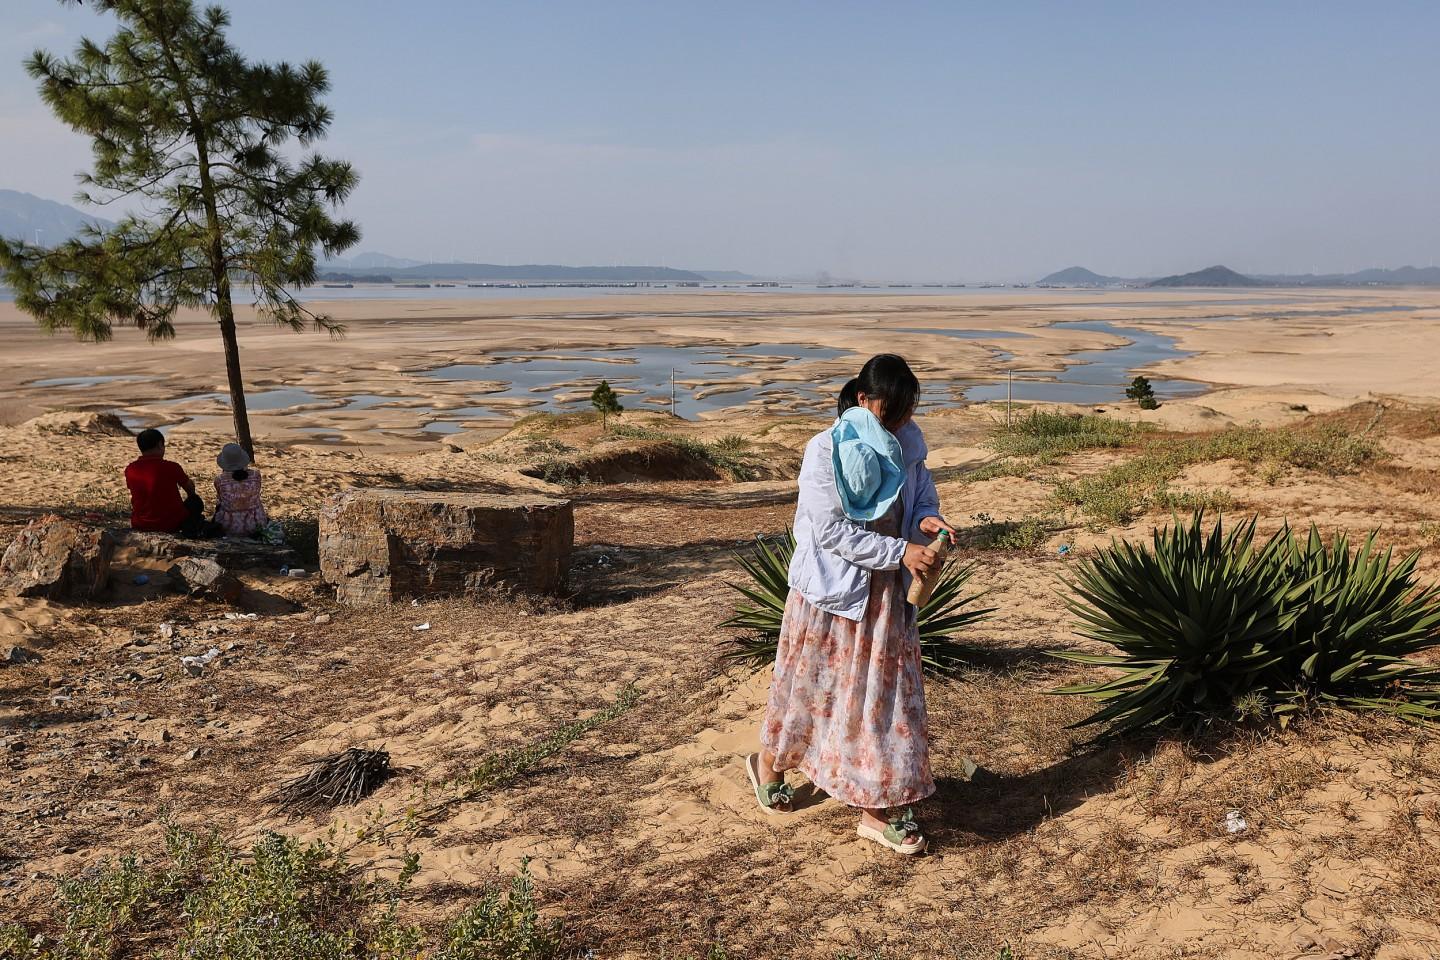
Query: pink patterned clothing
[
  {"x": 237, "y": 504},
  {"x": 847, "y": 704}
]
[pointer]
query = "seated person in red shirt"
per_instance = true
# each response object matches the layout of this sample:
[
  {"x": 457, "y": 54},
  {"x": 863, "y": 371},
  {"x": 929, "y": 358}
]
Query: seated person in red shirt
[{"x": 155, "y": 484}]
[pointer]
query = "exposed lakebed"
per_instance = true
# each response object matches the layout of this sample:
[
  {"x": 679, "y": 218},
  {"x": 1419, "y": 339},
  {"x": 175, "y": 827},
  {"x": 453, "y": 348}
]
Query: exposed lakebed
[{"x": 783, "y": 377}]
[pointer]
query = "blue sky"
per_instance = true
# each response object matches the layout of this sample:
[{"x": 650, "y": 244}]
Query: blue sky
[{"x": 949, "y": 140}]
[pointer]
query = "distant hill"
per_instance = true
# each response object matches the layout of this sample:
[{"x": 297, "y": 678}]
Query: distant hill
[
  {"x": 21, "y": 214},
  {"x": 499, "y": 273},
  {"x": 1216, "y": 276},
  {"x": 369, "y": 261},
  {"x": 1080, "y": 277}
]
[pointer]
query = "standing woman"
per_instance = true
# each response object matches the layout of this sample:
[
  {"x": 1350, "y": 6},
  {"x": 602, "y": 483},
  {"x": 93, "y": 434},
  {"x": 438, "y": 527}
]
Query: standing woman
[{"x": 847, "y": 704}]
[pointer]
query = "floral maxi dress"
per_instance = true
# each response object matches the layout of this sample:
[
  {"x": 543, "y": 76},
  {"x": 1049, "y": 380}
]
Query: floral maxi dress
[
  {"x": 237, "y": 504},
  {"x": 847, "y": 703}
]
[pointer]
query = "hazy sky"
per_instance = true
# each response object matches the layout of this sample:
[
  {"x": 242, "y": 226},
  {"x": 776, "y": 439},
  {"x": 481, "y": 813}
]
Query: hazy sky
[{"x": 944, "y": 140}]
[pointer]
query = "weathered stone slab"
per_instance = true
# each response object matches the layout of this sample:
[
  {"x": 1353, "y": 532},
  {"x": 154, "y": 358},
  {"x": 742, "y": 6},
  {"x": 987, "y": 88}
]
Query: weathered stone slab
[
  {"x": 379, "y": 546},
  {"x": 57, "y": 559}
]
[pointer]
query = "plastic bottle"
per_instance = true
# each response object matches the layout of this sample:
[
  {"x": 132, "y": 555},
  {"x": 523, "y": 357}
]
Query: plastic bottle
[{"x": 922, "y": 587}]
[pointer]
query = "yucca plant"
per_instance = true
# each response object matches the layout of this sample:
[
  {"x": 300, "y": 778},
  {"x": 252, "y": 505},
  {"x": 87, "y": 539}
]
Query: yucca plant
[
  {"x": 768, "y": 565},
  {"x": 1197, "y": 619},
  {"x": 1204, "y": 622}
]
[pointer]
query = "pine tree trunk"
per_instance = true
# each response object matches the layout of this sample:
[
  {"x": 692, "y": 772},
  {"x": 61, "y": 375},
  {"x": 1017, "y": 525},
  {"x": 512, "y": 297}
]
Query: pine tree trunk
[
  {"x": 224, "y": 308},
  {"x": 225, "y": 313}
]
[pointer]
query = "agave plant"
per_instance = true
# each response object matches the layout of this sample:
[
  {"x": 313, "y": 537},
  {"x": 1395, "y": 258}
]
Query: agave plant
[
  {"x": 1196, "y": 620},
  {"x": 1363, "y": 615},
  {"x": 768, "y": 564},
  {"x": 1203, "y": 622}
]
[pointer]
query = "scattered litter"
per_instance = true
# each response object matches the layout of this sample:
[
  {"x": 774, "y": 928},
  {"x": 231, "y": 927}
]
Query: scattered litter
[
  {"x": 196, "y": 665},
  {"x": 297, "y": 574},
  {"x": 167, "y": 630},
  {"x": 421, "y": 626},
  {"x": 284, "y": 571},
  {"x": 192, "y": 754},
  {"x": 1235, "y": 823},
  {"x": 1064, "y": 549},
  {"x": 242, "y": 616},
  {"x": 141, "y": 579},
  {"x": 414, "y": 601}
]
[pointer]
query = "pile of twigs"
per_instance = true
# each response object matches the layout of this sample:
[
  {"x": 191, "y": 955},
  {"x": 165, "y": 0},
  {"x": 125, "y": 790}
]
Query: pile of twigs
[{"x": 335, "y": 780}]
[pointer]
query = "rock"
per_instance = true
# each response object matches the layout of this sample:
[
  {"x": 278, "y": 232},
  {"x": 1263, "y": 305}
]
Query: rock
[
  {"x": 380, "y": 546},
  {"x": 57, "y": 559},
  {"x": 323, "y": 618},
  {"x": 230, "y": 553},
  {"x": 199, "y": 576},
  {"x": 15, "y": 655},
  {"x": 73, "y": 423}
]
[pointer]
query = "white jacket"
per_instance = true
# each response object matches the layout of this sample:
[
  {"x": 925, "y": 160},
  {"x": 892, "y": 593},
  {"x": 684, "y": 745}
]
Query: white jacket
[{"x": 834, "y": 554}]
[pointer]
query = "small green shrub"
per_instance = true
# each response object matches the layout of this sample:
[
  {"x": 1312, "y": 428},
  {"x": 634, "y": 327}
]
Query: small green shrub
[
  {"x": 949, "y": 610},
  {"x": 1044, "y": 433},
  {"x": 281, "y": 900},
  {"x": 1026, "y": 533},
  {"x": 1208, "y": 626},
  {"x": 503, "y": 927},
  {"x": 1188, "y": 501}
]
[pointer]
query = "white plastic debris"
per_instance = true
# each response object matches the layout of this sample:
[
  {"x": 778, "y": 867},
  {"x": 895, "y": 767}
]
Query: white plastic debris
[
  {"x": 421, "y": 626},
  {"x": 167, "y": 630},
  {"x": 242, "y": 616},
  {"x": 196, "y": 665},
  {"x": 297, "y": 573},
  {"x": 1235, "y": 823}
]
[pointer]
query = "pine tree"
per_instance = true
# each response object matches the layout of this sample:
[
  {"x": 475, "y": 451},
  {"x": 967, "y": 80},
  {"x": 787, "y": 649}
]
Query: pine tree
[
  {"x": 1142, "y": 393},
  {"x": 604, "y": 400},
  {"x": 183, "y": 127}
]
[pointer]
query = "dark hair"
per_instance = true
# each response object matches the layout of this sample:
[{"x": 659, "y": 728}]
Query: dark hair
[
  {"x": 240, "y": 474},
  {"x": 148, "y": 440},
  {"x": 887, "y": 378}
]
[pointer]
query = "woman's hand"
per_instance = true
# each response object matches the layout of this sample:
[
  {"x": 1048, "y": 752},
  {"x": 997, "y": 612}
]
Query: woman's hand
[
  {"x": 920, "y": 560},
  {"x": 931, "y": 527}
]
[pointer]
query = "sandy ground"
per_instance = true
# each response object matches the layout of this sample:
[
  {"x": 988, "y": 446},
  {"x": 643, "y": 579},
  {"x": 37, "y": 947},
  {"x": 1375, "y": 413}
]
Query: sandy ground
[{"x": 644, "y": 834}]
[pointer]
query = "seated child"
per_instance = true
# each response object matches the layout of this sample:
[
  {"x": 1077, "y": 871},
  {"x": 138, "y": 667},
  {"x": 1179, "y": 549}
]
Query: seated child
[
  {"x": 238, "y": 510},
  {"x": 155, "y": 484}
]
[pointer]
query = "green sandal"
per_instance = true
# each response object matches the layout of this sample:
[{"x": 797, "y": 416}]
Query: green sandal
[
  {"x": 896, "y": 832},
  {"x": 771, "y": 796}
]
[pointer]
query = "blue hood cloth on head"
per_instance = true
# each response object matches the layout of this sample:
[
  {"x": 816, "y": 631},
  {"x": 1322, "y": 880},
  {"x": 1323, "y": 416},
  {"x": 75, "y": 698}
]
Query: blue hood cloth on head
[{"x": 869, "y": 465}]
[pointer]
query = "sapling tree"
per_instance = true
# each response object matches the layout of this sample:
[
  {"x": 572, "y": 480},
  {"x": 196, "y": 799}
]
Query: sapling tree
[
  {"x": 603, "y": 399},
  {"x": 206, "y": 149}
]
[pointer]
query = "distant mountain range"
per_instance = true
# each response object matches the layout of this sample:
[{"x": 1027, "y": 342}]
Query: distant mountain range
[
  {"x": 1220, "y": 276},
  {"x": 23, "y": 214}
]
